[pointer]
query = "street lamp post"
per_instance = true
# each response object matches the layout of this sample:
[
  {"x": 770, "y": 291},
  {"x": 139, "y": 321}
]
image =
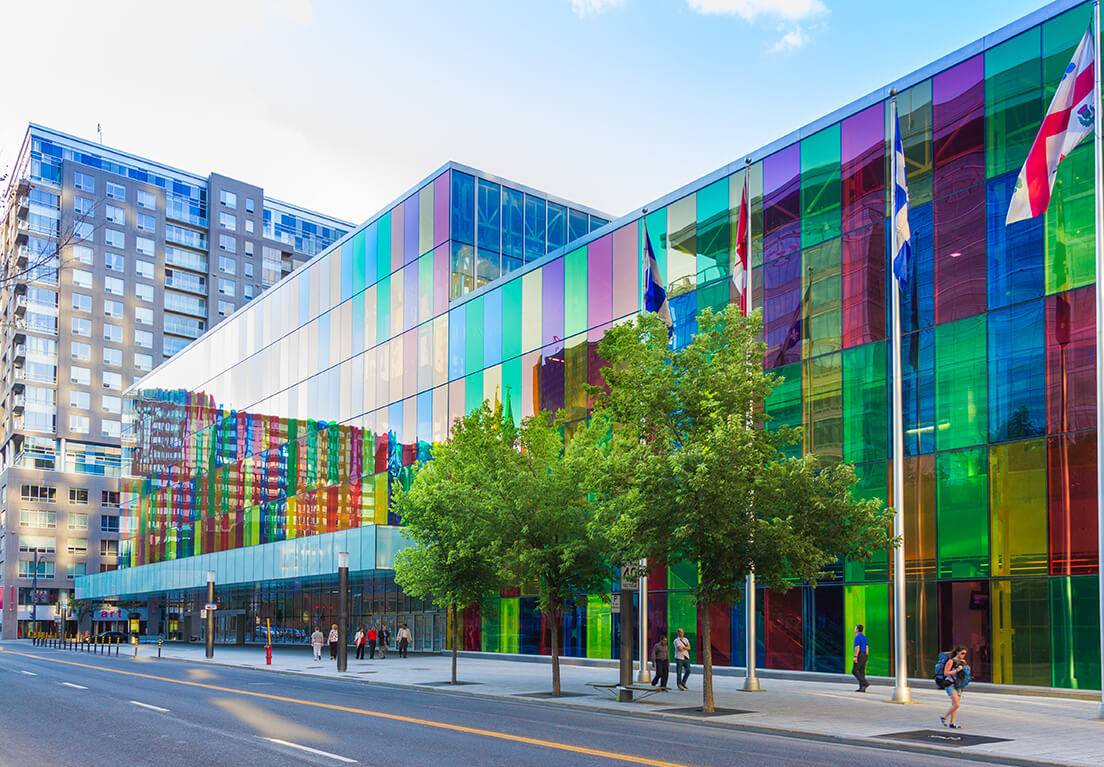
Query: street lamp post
[
  {"x": 342, "y": 609},
  {"x": 34, "y": 592},
  {"x": 643, "y": 677},
  {"x": 210, "y": 613}
]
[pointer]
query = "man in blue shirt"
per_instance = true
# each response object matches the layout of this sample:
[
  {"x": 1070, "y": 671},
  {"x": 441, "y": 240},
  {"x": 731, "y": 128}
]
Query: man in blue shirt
[{"x": 858, "y": 668}]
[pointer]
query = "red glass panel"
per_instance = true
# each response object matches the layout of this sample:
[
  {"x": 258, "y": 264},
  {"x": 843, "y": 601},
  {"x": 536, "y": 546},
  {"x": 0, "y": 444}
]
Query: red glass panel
[
  {"x": 1071, "y": 360},
  {"x": 1071, "y": 470},
  {"x": 958, "y": 116},
  {"x": 783, "y": 629},
  {"x": 472, "y": 637},
  {"x": 960, "y": 258},
  {"x": 720, "y": 634},
  {"x": 864, "y": 286},
  {"x": 862, "y": 150}
]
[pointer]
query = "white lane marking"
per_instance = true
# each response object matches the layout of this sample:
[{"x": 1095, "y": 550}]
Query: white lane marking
[
  {"x": 151, "y": 708},
  {"x": 75, "y": 686},
  {"x": 310, "y": 750},
  {"x": 28, "y": 673}
]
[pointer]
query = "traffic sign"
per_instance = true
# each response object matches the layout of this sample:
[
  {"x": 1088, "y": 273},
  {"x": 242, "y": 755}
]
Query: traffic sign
[
  {"x": 210, "y": 606},
  {"x": 615, "y": 603},
  {"x": 630, "y": 576}
]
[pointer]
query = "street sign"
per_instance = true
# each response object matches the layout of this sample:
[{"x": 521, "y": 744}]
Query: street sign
[
  {"x": 203, "y": 615},
  {"x": 615, "y": 603},
  {"x": 210, "y": 606},
  {"x": 630, "y": 577}
]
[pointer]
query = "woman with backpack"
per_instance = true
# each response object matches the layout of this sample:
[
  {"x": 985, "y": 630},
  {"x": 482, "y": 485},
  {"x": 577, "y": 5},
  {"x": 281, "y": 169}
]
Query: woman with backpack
[{"x": 954, "y": 677}]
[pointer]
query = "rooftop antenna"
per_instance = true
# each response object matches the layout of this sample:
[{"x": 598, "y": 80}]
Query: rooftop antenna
[{"x": 99, "y": 132}]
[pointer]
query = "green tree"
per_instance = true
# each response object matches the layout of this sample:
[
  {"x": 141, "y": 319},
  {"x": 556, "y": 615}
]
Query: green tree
[{"x": 691, "y": 474}]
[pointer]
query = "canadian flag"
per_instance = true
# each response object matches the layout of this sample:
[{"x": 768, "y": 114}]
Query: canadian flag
[{"x": 1069, "y": 119}]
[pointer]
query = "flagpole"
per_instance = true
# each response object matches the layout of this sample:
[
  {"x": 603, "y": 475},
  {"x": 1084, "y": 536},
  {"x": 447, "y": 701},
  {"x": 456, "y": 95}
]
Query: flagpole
[
  {"x": 1098, "y": 182},
  {"x": 751, "y": 680},
  {"x": 901, "y": 693}
]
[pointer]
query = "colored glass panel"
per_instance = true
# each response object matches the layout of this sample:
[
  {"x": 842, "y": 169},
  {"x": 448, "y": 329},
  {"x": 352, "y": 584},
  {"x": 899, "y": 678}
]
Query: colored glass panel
[
  {"x": 1017, "y": 372},
  {"x": 863, "y": 168},
  {"x": 961, "y": 408},
  {"x": 865, "y": 403},
  {"x": 1071, "y": 360},
  {"x": 1071, "y": 462},
  {"x": 958, "y": 116},
  {"x": 1018, "y": 508},
  {"x": 914, "y": 109},
  {"x": 820, "y": 186},
  {"x": 920, "y": 517},
  {"x": 868, "y": 604},
  {"x": 599, "y": 281},
  {"x": 962, "y": 513},
  {"x": 823, "y": 293},
  {"x": 1070, "y": 247},
  {"x": 781, "y": 203},
  {"x": 960, "y": 258},
  {"x": 863, "y": 281},
  {"x": 1013, "y": 101},
  {"x": 964, "y": 620},
  {"x": 575, "y": 292},
  {"x": 823, "y": 398},
  {"x": 1016, "y": 252},
  {"x": 681, "y": 248},
  {"x": 1074, "y": 632}
]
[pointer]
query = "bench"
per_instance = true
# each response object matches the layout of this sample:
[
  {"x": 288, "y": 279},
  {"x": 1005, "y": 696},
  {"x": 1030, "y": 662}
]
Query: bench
[{"x": 639, "y": 691}]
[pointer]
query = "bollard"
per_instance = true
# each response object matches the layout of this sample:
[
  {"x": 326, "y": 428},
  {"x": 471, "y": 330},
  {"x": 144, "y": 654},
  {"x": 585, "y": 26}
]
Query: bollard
[
  {"x": 116, "y": 648},
  {"x": 268, "y": 655},
  {"x": 135, "y": 640},
  {"x": 159, "y": 647}
]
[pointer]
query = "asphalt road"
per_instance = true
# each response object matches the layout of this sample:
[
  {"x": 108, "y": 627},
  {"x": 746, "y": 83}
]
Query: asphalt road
[{"x": 60, "y": 707}]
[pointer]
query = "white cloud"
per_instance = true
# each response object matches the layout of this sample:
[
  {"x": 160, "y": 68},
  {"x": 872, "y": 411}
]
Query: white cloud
[
  {"x": 791, "y": 40},
  {"x": 584, "y": 8},
  {"x": 791, "y": 10}
]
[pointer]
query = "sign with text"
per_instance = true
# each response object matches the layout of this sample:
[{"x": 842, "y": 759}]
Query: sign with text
[
  {"x": 630, "y": 576},
  {"x": 615, "y": 603}
]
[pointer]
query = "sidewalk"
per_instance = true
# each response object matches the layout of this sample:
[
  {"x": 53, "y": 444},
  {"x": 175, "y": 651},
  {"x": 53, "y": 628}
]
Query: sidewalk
[{"x": 1042, "y": 730}]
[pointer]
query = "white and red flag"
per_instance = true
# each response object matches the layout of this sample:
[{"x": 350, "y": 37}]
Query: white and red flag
[
  {"x": 1069, "y": 119},
  {"x": 740, "y": 268}
]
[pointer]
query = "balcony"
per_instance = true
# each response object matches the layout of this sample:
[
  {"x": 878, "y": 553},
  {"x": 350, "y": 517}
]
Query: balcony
[
  {"x": 19, "y": 401},
  {"x": 19, "y": 354},
  {"x": 20, "y": 308},
  {"x": 24, "y": 204}
]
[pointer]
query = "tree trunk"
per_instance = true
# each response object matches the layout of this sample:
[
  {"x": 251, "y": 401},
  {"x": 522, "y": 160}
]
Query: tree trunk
[
  {"x": 455, "y": 639},
  {"x": 707, "y": 662},
  {"x": 555, "y": 655}
]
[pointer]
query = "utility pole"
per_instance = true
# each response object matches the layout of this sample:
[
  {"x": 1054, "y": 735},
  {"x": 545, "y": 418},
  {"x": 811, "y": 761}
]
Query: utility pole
[{"x": 626, "y": 665}]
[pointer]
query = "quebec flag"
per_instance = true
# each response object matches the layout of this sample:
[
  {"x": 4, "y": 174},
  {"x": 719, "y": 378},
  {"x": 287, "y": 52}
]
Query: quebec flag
[
  {"x": 900, "y": 212},
  {"x": 655, "y": 297}
]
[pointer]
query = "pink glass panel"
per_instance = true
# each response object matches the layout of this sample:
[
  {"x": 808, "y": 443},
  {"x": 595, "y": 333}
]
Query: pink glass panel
[
  {"x": 626, "y": 270},
  {"x": 958, "y": 116},
  {"x": 862, "y": 149},
  {"x": 600, "y": 281},
  {"x": 960, "y": 258}
]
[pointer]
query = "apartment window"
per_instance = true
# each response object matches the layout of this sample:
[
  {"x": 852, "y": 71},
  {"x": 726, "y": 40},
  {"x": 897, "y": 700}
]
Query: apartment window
[
  {"x": 146, "y": 223},
  {"x": 145, "y": 246},
  {"x": 78, "y": 520},
  {"x": 78, "y": 496},
  {"x": 109, "y": 498},
  {"x": 79, "y": 424},
  {"x": 228, "y": 221},
  {"x": 249, "y": 230},
  {"x": 143, "y": 338},
  {"x": 113, "y": 381},
  {"x": 143, "y": 362},
  {"x": 227, "y": 287},
  {"x": 83, "y": 254},
  {"x": 248, "y": 292},
  {"x": 111, "y": 428},
  {"x": 82, "y": 327},
  {"x": 80, "y": 399},
  {"x": 249, "y": 270},
  {"x": 38, "y": 493},
  {"x": 78, "y": 545},
  {"x": 37, "y": 518},
  {"x": 228, "y": 243},
  {"x": 113, "y": 333},
  {"x": 225, "y": 308},
  {"x": 115, "y": 215},
  {"x": 115, "y": 238},
  {"x": 109, "y": 548},
  {"x": 45, "y": 569},
  {"x": 144, "y": 292},
  {"x": 249, "y": 205},
  {"x": 76, "y": 569},
  {"x": 82, "y": 302},
  {"x": 80, "y": 351},
  {"x": 82, "y": 206},
  {"x": 116, "y": 262},
  {"x": 112, "y": 405},
  {"x": 113, "y": 357},
  {"x": 144, "y": 269},
  {"x": 229, "y": 199},
  {"x": 147, "y": 200},
  {"x": 143, "y": 315},
  {"x": 82, "y": 278},
  {"x": 46, "y": 544},
  {"x": 113, "y": 308},
  {"x": 82, "y": 230},
  {"x": 80, "y": 376},
  {"x": 109, "y": 523},
  {"x": 84, "y": 182},
  {"x": 116, "y": 191},
  {"x": 114, "y": 286},
  {"x": 228, "y": 265}
]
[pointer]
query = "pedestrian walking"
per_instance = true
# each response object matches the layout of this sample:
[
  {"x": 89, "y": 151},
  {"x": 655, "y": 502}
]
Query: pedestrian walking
[
  {"x": 358, "y": 640},
  {"x": 371, "y": 643},
  {"x": 404, "y": 638},
  {"x": 955, "y": 675},
  {"x": 384, "y": 640},
  {"x": 682, "y": 659},
  {"x": 858, "y": 662},
  {"x": 333, "y": 642},
  {"x": 316, "y": 643},
  {"x": 661, "y": 662}
]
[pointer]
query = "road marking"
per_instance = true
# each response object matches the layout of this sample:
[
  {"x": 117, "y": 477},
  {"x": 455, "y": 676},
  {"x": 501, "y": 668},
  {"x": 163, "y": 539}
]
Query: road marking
[
  {"x": 75, "y": 686},
  {"x": 151, "y": 708},
  {"x": 28, "y": 673},
  {"x": 310, "y": 750},
  {"x": 378, "y": 714}
]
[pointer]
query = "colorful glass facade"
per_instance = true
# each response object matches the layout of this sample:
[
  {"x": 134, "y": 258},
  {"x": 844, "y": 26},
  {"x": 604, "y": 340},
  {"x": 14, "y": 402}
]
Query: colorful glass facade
[{"x": 380, "y": 336}]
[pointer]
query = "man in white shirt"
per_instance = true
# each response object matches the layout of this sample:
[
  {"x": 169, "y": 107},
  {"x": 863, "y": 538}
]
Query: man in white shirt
[{"x": 682, "y": 659}]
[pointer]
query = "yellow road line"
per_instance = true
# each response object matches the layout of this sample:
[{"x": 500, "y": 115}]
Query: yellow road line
[{"x": 364, "y": 712}]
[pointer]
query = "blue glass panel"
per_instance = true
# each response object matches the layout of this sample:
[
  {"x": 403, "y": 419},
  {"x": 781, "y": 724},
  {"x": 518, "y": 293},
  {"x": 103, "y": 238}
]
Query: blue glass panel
[
  {"x": 457, "y": 340},
  {"x": 534, "y": 227},
  {"x": 425, "y": 417},
  {"x": 918, "y": 297},
  {"x": 488, "y": 216},
  {"x": 513, "y": 223},
  {"x": 557, "y": 226},
  {"x": 492, "y": 328},
  {"x": 1017, "y": 372},
  {"x": 578, "y": 224},
  {"x": 1016, "y": 253},
  {"x": 918, "y": 391},
  {"x": 463, "y": 208}
]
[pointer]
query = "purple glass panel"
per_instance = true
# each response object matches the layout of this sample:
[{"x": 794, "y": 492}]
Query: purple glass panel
[
  {"x": 626, "y": 271},
  {"x": 958, "y": 116},
  {"x": 410, "y": 292},
  {"x": 782, "y": 312},
  {"x": 440, "y": 279},
  {"x": 964, "y": 620},
  {"x": 782, "y": 202},
  {"x": 552, "y": 376},
  {"x": 600, "y": 281},
  {"x": 410, "y": 229},
  {"x": 862, "y": 148},
  {"x": 552, "y": 305},
  {"x": 441, "y": 208},
  {"x": 960, "y": 265}
]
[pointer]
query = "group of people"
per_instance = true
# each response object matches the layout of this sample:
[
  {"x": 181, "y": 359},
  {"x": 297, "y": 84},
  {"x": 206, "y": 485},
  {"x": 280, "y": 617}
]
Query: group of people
[
  {"x": 661, "y": 661},
  {"x": 366, "y": 637}
]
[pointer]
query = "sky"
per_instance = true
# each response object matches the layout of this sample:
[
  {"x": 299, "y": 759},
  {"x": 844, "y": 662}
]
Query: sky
[{"x": 342, "y": 106}]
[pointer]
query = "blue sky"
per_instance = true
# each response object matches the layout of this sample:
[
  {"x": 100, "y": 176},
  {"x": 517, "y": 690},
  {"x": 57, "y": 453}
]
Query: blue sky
[{"x": 341, "y": 106}]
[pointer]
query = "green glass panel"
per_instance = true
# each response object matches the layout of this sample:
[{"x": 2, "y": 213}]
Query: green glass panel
[
  {"x": 867, "y": 604},
  {"x": 823, "y": 288},
  {"x": 872, "y": 482},
  {"x": 510, "y": 625},
  {"x": 473, "y": 355},
  {"x": 511, "y": 320},
  {"x": 512, "y": 389},
  {"x": 575, "y": 292},
  {"x": 682, "y": 575},
  {"x": 1018, "y": 500},
  {"x": 473, "y": 391},
  {"x": 865, "y": 403},
  {"x": 1013, "y": 101},
  {"x": 1021, "y": 632},
  {"x": 599, "y": 628},
  {"x": 784, "y": 403},
  {"x": 383, "y": 310},
  {"x": 383, "y": 247},
  {"x": 1061, "y": 35},
  {"x": 755, "y": 188},
  {"x": 820, "y": 186},
  {"x": 682, "y": 246},
  {"x": 914, "y": 106},
  {"x": 1070, "y": 243},
  {"x": 823, "y": 397},
  {"x": 962, "y": 513},
  {"x": 492, "y": 625},
  {"x": 682, "y": 613},
  {"x": 713, "y": 234},
  {"x": 358, "y": 262},
  {"x": 961, "y": 384},
  {"x": 1075, "y": 632}
]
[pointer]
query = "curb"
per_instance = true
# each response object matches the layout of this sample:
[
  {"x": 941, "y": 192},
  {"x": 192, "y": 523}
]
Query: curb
[{"x": 786, "y": 732}]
